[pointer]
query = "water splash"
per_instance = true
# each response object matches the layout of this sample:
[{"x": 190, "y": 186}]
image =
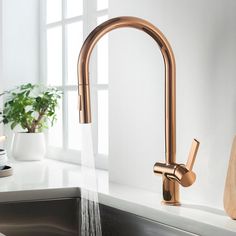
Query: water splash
[{"x": 90, "y": 214}]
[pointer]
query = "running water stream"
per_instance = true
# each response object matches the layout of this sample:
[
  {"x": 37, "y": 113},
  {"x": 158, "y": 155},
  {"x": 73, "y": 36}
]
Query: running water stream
[{"x": 90, "y": 214}]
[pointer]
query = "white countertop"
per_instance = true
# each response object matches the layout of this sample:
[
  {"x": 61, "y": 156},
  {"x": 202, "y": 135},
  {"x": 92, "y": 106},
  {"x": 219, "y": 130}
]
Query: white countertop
[{"x": 64, "y": 179}]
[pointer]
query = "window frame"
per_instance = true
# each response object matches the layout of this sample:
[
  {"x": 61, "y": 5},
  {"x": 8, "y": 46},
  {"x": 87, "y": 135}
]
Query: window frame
[{"x": 89, "y": 21}]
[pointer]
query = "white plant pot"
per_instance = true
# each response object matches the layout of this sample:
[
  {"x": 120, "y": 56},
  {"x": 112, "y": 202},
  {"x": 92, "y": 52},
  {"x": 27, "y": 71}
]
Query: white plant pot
[
  {"x": 3, "y": 158},
  {"x": 29, "y": 146}
]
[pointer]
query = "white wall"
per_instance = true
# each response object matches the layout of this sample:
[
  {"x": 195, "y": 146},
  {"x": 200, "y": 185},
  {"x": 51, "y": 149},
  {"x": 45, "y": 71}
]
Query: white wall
[
  {"x": 20, "y": 41},
  {"x": 20, "y": 38},
  {"x": 203, "y": 37}
]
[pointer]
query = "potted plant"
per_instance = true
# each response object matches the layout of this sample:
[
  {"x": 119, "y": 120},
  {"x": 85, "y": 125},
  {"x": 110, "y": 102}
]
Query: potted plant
[{"x": 31, "y": 108}]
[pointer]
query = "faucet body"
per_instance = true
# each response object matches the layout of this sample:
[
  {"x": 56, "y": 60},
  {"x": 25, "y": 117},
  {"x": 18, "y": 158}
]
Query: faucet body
[{"x": 171, "y": 172}]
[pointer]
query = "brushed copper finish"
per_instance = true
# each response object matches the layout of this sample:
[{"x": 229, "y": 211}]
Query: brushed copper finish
[
  {"x": 192, "y": 154},
  {"x": 173, "y": 174},
  {"x": 84, "y": 104}
]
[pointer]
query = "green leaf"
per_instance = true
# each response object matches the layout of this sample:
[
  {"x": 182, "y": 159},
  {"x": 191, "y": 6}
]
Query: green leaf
[
  {"x": 13, "y": 125},
  {"x": 30, "y": 106}
]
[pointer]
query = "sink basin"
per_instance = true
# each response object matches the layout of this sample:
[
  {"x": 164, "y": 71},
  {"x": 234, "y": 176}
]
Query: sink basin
[
  {"x": 48, "y": 218},
  {"x": 61, "y": 216}
]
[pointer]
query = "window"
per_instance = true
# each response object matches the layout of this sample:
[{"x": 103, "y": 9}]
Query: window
[{"x": 64, "y": 26}]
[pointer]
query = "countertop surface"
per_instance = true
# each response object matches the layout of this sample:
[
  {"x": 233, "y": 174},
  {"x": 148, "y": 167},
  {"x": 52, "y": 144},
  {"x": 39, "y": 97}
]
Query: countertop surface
[{"x": 65, "y": 179}]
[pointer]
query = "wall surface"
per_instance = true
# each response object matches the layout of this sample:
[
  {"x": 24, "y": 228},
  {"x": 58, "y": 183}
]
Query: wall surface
[
  {"x": 20, "y": 40},
  {"x": 203, "y": 37}
]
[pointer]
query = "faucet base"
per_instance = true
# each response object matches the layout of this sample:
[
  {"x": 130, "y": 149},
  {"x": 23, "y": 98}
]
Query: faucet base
[
  {"x": 170, "y": 192},
  {"x": 171, "y": 203}
]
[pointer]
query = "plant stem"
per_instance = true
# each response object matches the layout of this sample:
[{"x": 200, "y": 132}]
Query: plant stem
[{"x": 36, "y": 122}]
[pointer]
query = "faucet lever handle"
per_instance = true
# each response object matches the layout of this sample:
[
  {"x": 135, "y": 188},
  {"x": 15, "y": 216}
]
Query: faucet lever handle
[{"x": 192, "y": 154}]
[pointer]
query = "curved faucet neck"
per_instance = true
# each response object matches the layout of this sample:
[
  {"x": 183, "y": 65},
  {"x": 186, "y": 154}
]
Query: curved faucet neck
[{"x": 170, "y": 74}]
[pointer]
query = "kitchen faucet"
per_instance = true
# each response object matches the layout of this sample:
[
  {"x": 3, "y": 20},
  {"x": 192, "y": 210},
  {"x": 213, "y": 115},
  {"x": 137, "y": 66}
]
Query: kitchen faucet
[{"x": 172, "y": 173}]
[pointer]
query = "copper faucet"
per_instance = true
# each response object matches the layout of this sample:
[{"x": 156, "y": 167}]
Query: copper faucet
[{"x": 173, "y": 174}]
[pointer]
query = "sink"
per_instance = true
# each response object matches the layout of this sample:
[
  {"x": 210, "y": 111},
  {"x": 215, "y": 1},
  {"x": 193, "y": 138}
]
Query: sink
[
  {"x": 61, "y": 216},
  {"x": 44, "y": 217}
]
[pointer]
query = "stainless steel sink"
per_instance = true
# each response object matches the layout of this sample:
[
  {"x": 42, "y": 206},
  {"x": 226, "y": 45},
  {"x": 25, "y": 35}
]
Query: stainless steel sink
[
  {"x": 62, "y": 217},
  {"x": 39, "y": 218}
]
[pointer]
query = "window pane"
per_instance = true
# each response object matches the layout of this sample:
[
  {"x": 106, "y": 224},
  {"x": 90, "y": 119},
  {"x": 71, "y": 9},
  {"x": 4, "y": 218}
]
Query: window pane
[
  {"x": 55, "y": 132},
  {"x": 102, "y": 55},
  {"x": 102, "y": 4},
  {"x": 74, "y": 136},
  {"x": 103, "y": 122},
  {"x": 74, "y": 8},
  {"x": 54, "y": 56},
  {"x": 101, "y": 19},
  {"x": 53, "y": 10},
  {"x": 74, "y": 43}
]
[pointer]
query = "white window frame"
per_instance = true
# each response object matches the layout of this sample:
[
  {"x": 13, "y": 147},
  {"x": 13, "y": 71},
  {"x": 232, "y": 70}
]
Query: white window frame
[{"x": 89, "y": 19}]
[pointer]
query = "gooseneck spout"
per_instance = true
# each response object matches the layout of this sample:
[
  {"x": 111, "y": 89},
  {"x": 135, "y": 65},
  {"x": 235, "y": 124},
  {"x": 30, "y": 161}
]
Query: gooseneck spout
[
  {"x": 170, "y": 180},
  {"x": 83, "y": 73}
]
